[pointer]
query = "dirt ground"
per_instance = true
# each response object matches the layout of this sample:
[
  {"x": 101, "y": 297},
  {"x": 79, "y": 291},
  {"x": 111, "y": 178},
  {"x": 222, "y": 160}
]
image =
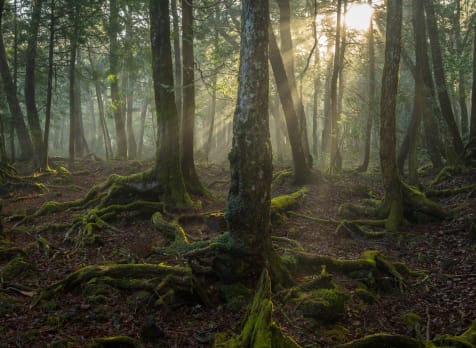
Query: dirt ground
[{"x": 444, "y": 299}]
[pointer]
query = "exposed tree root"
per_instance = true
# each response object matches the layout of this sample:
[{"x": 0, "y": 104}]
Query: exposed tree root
[
  {"x": 116, "y": 341},
  {"x": 466, "y": 340},
  {"x": 259, "y": 329},
  {"x": 416, "y": 208},
  {"x": 383, "y": 340},
  {"x": 450, "y": 192},
  {"x": 167, "y": 283},
  {"x": 372, "y": 268},
  {"x": 10, "y": 181}
]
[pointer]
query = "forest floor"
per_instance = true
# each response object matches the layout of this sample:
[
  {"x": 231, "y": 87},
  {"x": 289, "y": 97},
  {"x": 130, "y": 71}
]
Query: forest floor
[{"x": 444, "y": 299}]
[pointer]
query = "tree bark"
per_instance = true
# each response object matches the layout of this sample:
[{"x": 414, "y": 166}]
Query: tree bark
[
  {"x": 438, "y": 69},
  {"x": 49, "y": 90},
  {"x": 131, "y": 141},
  {"x": 388, "y": 162},
  {"x": 18, "y": 119},
  {"x": 333, "y": 90},
  {"x": 461, "y": 74},
  {"x": 167, "y": 169},
  {"x": 302, "y": 171},
  {"x": 287, "y": 53},
  {"x": 188, "y": 112},
  {"x": 177, "y": 58},
  {"x": 418, "y": 98},
  {"x": 30, "y": 99},
  {"x": 248, "y": 210},
  {"x": 117, "y": 102},
  {"x": 143, "y": 114},
  {"x": 472, "y": 131},
  {"x": 371, "y": 96}
]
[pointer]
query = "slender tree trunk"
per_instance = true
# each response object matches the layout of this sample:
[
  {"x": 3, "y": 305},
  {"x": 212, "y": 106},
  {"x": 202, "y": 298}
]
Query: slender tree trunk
[
  {"x": 49, "y": 90},
  {"x": 213, "y": 87},
  {"x": 333, "y": 90},
  {"x": 143, "y": 114},
  {"x": 177, "y": 58},
  {"x": 81, "y": 145},
  {"x": 102, "y": 116},
  {"x": 461, "y": 74},
  {"x": 130, "y": 85},
  {"x": 30, "y": 99},
  {"x": 167, "y": 169},
  {"x": 371, "y": 96},
  {"x": 315, "y": 105},
  {"x": 472, "y": 131},
  {"x": 117, "y": 102},
  {"x": 418, "y": 99},
  {"x": 26, "y": 146},
  {"x": 432, "y": 111},
  {"x": 73, "y": 117},
  {"x": 188, "y": 116},
  {"x": 248, "y": 210},
  {"x": 302, "y": 171},
  {"x": 438, "y": 69},
  {"x": 326, "y": 130},
  {"x": 287, "y": 53},
  {"x": 388, "y": 160}
]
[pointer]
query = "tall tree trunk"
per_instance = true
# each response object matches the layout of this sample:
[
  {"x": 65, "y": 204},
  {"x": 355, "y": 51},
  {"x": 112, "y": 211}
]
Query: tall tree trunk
[
  {"x": 167, "y": 169},
  {"x": 213, "y": 100},
  {"x": 26, "y": 146},
  {"x": 461, "y": 74},
  {"x": 248, "y": 210},
  {"x": 143, "y": 114},
  {"x": 371, "y": 95},
  {"x": 302, "y": 171},
  {"x": 49, "y": 90},
  {"x": 131, "y": 141},
  {"x": 433, "y": 140},
  {"x": 333, "y": 90},
  {"x": 287, "y": 53},
  {"x": 30, "y": 99},
  {"x": 188, "y": 117},
  {"x": 102, "y": 116},
  {"x": 315, "y": 105},
  {"x": 472, "y": 131},
  {"x": 73, "y": 107},
  {"x": 177, "y": 58},
  {"x": 418, "y": 98},
  {"x": 388, "y": 160},
  {"x": 438, "y": 69},
  {"x": 81, "y": 145},
  {"x": 326, "y": 130},
  {"x": 117, "y": 102}
]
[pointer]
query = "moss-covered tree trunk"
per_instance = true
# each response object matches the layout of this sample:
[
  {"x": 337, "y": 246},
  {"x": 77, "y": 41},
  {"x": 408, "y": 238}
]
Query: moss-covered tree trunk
[
  {"x": 26, "y": 146},
  {"x": 388, "y": 160},
  {"x": 248, "y": 207},
  {"x": 167, "y": 170}
]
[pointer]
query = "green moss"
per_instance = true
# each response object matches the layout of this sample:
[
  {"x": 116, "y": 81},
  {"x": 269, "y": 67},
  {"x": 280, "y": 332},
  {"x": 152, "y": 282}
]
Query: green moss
[
  {"x": 115, "y": 341},
  {"x": 236, "y": 296},
  {"x": 18, "y": 267},
  {"x": 323, "y": 305},
  {"x": 286, "y": 202},
  {"x": 466, "y": 340},
  {"x": 334, "y": 333}
]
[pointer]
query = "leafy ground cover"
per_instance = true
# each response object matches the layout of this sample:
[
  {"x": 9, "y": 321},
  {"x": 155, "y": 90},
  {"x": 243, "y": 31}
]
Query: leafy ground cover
[{"x": 35, "y": 255}]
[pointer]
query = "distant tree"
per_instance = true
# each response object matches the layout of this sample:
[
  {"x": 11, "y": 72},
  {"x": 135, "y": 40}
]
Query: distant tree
[
  {"x": 116, "y": 100},
  {"x": 26, "y": 145},
  {"x": 188, "y": 113},
  {"x": 30, "y": 84},
  {"x": 371, "y": 95},
  {"x": 439, "y": 72}
]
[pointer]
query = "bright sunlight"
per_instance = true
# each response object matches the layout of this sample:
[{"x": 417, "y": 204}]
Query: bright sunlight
[{"x": 358, "y": 17}]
